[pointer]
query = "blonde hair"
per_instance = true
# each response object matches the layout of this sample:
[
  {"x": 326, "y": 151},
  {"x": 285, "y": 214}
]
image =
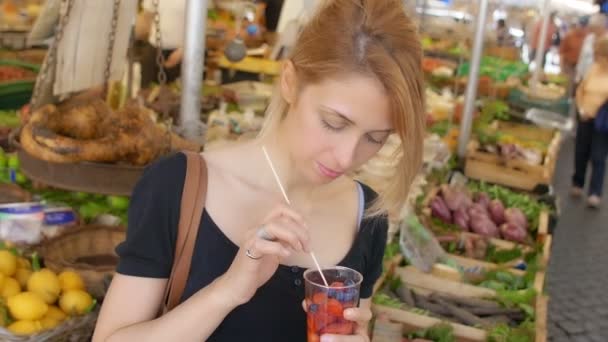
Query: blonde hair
[{"x": 375, "y": 38}]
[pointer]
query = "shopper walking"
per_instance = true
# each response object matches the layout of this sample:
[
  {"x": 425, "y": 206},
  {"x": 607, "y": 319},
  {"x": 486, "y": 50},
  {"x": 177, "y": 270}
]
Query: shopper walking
[
  {"x": 570, "y": 50},
  {"x": 591, "y": 144},
  {"x": 352, "y": 79}
]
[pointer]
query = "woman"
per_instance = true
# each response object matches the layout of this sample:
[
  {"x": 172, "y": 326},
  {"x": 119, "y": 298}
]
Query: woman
[
  {"x": 591, "y": 145},
  {"x": 353, "y": 78}
]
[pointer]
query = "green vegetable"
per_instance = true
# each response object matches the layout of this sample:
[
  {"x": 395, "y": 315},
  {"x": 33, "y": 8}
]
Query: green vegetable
[
  {"x": 503, "y": 333},
  {"x": 9, "y": 118},
  {"x": 443, "y": 226},
  {"x": 501, "y": 256},
  {"x": 440, "y": 128},
  {"x": 512, "y": 298},
  {"x": 494, "y": 285},
  {"x": 13, "y": 162},
  {"x": 385, "y": 300},
  {"x": 118, "y": 202},
  {"x": 391, "y": 250}
]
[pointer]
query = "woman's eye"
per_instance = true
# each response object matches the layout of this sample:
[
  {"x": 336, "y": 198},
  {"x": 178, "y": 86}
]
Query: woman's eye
[
  {"x": 330, "y": 126},
  {"x": 373, "y": 140}
]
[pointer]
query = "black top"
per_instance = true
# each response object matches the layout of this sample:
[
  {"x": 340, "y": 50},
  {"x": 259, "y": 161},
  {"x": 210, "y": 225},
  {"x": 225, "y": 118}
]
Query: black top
[{"x": 275, "y": 312}]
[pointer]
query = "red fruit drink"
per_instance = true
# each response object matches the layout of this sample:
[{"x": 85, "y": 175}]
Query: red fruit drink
[{"x": 325, "y": 305}]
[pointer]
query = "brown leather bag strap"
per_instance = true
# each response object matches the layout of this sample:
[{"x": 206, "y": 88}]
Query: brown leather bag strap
[{"x": 192, "y": 205}]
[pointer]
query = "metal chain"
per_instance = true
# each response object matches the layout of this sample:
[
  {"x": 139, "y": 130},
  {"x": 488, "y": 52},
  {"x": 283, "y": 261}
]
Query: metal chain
[
  {"x": 160, "y": 59},
  {"x": 66, "y": 5},
  {"x": 110, "y": 52}
]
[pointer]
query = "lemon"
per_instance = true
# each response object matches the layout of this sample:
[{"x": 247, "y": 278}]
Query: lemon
[
  {"x": 10, "y": 288},
  {"x": 49, "y": 323},
  {"x": 55, "y": 313},
  {"x": 24, "y": 263},
  {"x": 23, "y": 275},
  {"x": 8, "y": 263},
  {"x": 27, "y": 306},
  {"x": 46, "y": 284},
  {"x": 2, "y": 278},
  {"x": 70, "y": 280},
  {"x": 25, "y": 327},
  {"x": 75, "y": 302}
]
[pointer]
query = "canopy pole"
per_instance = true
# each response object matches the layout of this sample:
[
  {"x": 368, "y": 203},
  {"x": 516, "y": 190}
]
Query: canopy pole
[
  {"x": 473, "y": 80},
  {"x": 192, "y": 69}
]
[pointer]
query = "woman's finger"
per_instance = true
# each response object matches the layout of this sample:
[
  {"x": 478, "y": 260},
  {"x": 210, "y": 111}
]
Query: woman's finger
[
  {"x": 283, "y": 210},
  {"x": 280, "y": 232},
  {"x": 301, "y": 232},
  {"x": 360, "y": 315},
  {"x": 260, "y": 248},
  {"x": 344, "y": 338}
]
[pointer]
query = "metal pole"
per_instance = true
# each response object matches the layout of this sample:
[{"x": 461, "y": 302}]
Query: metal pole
[
  {"x": 471, "y": 91},
  {"x": 192, "y": 69},
  {"x": 541, "y": 44}
]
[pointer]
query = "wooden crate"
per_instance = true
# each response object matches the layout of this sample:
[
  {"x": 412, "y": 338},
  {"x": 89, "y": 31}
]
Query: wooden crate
[
  {"x": 514, "y": 173},
  {"x": 427, "y": 283}
]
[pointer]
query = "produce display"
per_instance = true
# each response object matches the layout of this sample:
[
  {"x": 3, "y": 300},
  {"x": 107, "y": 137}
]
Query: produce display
[
  {"x": 13, "y": 73},
  {"x": 36, "y": 299},
  {"x": 478, "y": 214},
  {"x": 509, "y": 313},
  {"x": 496, "y": 69},
  {"x": 86, "y": 129},
  {"x": 88, "y": 206}
]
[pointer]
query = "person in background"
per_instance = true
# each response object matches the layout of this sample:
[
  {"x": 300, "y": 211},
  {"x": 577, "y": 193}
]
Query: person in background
[
  {"x": 597, "y": 27},
  {"x": 549, "y": 37},
  {"x": 570, "y": 50},
  {"x": 503, "y": 36},
  {"x": 172, "y": 17},
  {"x": 591, "y": 145}
]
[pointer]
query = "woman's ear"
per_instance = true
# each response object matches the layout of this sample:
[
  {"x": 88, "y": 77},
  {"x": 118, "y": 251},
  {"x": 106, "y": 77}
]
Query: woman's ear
[{"x": 289, "y": 83}]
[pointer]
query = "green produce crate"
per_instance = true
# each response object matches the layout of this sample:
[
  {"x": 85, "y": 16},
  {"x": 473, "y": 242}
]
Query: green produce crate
[
  {"x": 15, "y": 94},
  {"x": 496, "y": 68},
  {"x": 518, "y": 99}
]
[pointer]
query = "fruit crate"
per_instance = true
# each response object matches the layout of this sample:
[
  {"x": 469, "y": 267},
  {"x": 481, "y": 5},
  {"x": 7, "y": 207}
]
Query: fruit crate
[
  {"x": 425, "y": 218},
  {"x": 515, "y": 173},
  {"x": 424, "y": 283}
]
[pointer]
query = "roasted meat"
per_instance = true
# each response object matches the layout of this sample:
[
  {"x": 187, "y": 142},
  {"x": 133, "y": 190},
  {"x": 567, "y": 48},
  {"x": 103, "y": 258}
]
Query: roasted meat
[{"x": 88, "y": 130}]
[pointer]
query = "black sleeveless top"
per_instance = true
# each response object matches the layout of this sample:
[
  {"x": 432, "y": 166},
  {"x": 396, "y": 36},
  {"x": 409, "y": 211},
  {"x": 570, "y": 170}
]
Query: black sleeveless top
[{"x": 275, "y": 312}]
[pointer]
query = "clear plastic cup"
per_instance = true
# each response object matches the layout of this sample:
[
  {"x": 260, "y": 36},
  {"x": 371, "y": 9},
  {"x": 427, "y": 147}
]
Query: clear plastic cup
[{"x": 325, "y": 305}]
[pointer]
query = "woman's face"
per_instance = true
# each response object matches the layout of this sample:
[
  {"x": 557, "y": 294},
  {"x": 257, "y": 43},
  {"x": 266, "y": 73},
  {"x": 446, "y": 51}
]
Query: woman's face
[{"x": 335, "y": 126}]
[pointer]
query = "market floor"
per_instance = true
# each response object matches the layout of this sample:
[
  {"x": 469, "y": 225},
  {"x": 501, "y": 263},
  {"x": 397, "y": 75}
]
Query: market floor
[{"x": 577, "y": 280}]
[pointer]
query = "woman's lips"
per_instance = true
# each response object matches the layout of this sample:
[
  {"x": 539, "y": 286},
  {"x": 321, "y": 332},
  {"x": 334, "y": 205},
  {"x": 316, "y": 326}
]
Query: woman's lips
[{"x": 327, "y": 172}]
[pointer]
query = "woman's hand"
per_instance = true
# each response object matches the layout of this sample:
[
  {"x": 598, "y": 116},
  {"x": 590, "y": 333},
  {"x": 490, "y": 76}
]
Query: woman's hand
[
  {"x": 282, "y": 233},
  {"x": 361, "y": 316}
]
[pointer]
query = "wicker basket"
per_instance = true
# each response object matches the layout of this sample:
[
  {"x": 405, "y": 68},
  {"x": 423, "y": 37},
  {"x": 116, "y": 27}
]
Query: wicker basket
[
  {"x": 75, "y": 329},
  {"x": 89, "y": 250}
]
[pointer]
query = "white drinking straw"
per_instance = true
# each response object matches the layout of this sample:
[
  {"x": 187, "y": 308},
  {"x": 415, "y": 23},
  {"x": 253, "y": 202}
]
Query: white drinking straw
[{"x": 276, "y": 177}]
